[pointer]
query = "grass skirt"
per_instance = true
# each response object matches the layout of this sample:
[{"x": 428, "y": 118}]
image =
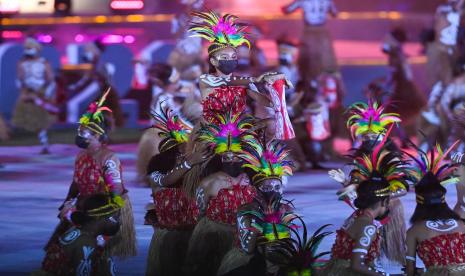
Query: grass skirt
[
  {"x": 31, "y": 117},
  {"x": 452, "y": 270},
  {"x": 123, "y": 244},
  {"x": 3, "y": 130},
  {"x": 393, "y": 242},
  {"x": 208, "y": 245},
  {"x": 235, "y": 258},
  {"x": 338, "y": 267},
  {"x": 316, "y": 53},
  {"x": 167, "y": 252}
]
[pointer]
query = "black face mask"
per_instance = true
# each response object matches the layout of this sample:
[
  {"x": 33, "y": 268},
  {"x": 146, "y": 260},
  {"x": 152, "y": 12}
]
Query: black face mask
[
  {"x": 383, "y": 216},
  {"x": 110, "y": 228},
  {"x": 284, "y": 61},
  {"x": 269, "y": 196},
  {"x": 233, "y": 169},
  {"x": 81, "y": 142},
  {"x": 227, "y": 66}
]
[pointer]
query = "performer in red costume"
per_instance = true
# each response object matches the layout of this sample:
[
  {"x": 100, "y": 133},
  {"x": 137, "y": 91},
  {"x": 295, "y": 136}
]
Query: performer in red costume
[
  {"x": 267, "y": 217},
  {"x": 78, "y": 252},
  {"x": 220, "y": 193},
  {"x": 98, "y": 170},
  {"x": 357, "y": 243},
  {"x": 220, "y": 87},
  {"x": 174, "y": 215},
  {"x": 437, "y": 234}
]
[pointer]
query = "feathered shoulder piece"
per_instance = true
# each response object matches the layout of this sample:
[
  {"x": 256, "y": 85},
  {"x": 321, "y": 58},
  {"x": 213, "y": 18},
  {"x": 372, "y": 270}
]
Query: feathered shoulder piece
[
  {"x": 268, "y": 159},
  {"x": 94, "y": 118},
  {"x": 298, "y": 255},
  {"x": 272, "y": 219},
  {"x": 369, "y": 118},
  {"x": 434, "y": 163},
  {"x": 381, "y": 164},
  {"x": 173, "y": 127},
  {"x": 224, "y": 30},
  {"x": 228, "y": 132}
]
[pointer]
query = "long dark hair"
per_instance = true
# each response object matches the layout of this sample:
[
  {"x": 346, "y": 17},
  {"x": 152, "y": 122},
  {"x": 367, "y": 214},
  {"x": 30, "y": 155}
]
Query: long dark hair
[
  {"x": 164, "y": 161},
  {"x": 161, "y": 72},
  {"x": 366, "y": 196},
  {"x": 433, "y": 205}
]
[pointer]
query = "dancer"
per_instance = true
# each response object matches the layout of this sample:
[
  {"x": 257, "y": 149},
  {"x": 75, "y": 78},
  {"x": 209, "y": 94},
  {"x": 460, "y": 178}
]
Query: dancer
[
  {"x": 98, "y": 170},
  {"x": 457, "y": 156},
  {"x": 220, "y": 194},
  {"x": 220, "y": 85},
  {"x": 357, "y": 243},
  {"x": 287, "y": 58},
  {"x": 35, "y": 110},
  {"x": 405, "y": 99},
  {"x": 167, "y": 92},
  {"x": 186, "y": 56},
  {"x": 267, "y": 217},
  {"x": 437, "y": 234},
  {"x": 78, "y": 252},
  {"x": 316, "y": 52},
  {"x": 91, "y": 85},
  {"x": 174, "y": 215},
  {"x": 368, "y": 122}
]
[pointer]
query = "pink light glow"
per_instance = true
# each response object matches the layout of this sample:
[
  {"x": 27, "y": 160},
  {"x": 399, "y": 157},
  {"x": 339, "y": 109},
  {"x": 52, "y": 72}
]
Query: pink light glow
[
  {"x": 129, "y": 39},
  {"x": 112, "y": 39},
  {"x": 127, "y": 4},
  {"x": 44, "y": 38},
  {"x": 79, "y": 38},
  {"x": 9, "y": 6},
  {"x": 12, "y": 34}
]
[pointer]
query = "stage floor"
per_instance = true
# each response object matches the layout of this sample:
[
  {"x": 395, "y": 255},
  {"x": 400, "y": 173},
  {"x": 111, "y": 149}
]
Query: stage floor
[{"x": 32, "y": 187}]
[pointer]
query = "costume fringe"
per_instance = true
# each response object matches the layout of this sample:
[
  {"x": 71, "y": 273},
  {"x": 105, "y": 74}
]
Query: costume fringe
[
  {"x": 123, "y": 244},
  {"x": 338, "y": 267},
  {"x": 208, "y": 245},
  {"x": 393, "y": 242},
  {"x": 167, "y": 252},
  {"x": 4, "y": 131},
  {"x": 31, "y": 117},
  {"x": 233, "y": 259}
]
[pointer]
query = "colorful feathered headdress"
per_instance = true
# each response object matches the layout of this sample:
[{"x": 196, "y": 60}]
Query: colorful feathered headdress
[
  {"x": 369, "y": 118},
  {"x": 229, "y": 132},
  {"x": 299, "y": 254},
  {"x": 173, "y": 128},
  {"x": 272, "y": 219},
  {"x": 221, "y": 31},
  {"x": 431, "y": 170},
  {"x": 267, "y": 159},
  {"x": 94, "y": 118},
  {"x": 382, "y": 164}
]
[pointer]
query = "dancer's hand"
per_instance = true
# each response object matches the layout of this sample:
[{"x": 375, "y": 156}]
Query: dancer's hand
[
  {"x": 338, "y": 175},
  {"x": 457, "y": 157}
]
